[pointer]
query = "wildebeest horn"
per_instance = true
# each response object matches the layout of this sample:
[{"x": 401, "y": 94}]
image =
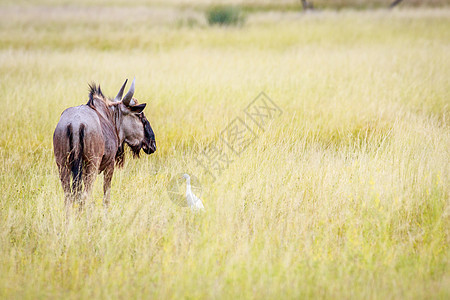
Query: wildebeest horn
[
  {"x": 119, "y": 95},
  {"x": 127, "y": 98}
]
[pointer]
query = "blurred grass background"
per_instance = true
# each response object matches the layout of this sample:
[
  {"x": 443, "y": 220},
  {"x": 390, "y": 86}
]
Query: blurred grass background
[{"x": 252, "y": 5}]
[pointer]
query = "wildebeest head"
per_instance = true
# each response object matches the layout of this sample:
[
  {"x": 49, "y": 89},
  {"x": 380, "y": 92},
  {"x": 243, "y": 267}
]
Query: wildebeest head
[{"x": 136, "y": 129}]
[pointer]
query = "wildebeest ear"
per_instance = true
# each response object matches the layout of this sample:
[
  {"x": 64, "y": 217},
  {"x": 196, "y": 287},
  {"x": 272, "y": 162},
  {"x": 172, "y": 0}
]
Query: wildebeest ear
[{"x": 138, "y": 108}]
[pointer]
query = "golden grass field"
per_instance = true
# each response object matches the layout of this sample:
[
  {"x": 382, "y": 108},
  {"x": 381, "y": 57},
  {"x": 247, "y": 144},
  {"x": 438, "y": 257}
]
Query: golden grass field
[{"x": 345, "y": 195}]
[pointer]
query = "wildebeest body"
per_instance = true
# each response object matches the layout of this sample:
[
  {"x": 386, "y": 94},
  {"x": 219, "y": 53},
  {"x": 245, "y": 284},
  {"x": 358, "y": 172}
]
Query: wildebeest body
[{"x": 89, "y": 140}]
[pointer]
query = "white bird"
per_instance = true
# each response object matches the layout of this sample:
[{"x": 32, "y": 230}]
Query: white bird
[{"x": 193, "y": 201}]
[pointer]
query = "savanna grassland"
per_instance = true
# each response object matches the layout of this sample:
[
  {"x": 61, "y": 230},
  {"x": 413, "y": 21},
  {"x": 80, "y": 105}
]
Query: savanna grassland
[{"x": 345, "y": 195}]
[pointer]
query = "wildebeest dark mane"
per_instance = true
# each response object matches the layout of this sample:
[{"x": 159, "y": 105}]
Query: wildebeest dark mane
[
  {"x": 120, "y": 154},
  {"x": 94, "y": 91},
  {"x": 135, "y": 149}
]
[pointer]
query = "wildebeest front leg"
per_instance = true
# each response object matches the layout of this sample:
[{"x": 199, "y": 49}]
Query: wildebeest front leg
[{"x": 107, "y": 177}]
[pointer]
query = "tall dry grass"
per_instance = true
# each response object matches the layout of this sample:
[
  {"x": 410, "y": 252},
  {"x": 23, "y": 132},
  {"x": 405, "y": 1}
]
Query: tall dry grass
[{"x": 346, "y": 195}]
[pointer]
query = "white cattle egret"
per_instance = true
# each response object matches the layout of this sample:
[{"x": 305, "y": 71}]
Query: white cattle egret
[{"x": 193, "y": 201}]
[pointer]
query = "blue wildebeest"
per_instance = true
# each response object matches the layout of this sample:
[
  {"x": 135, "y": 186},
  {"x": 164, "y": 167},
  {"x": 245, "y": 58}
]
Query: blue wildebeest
[{"x": 89, "y": 139}]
